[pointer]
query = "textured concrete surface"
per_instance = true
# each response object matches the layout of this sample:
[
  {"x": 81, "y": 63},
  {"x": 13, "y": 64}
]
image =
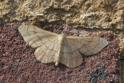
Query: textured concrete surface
[
  {"x": 105, "y": 14},
  {"x": 19, "y": 65}
]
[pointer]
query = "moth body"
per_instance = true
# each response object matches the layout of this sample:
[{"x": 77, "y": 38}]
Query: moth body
[{"x": 60, "y": 41}]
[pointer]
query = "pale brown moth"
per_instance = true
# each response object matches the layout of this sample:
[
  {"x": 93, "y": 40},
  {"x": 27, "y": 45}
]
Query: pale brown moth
[{"x": 59, "y": 48}]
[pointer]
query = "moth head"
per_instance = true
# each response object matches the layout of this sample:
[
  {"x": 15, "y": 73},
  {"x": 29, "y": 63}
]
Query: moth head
[{"x": 61, "y": 36}]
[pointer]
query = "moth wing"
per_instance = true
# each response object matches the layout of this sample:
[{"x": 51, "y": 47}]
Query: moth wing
[
  {"x": 44, "y": 41},
  {"x": 69, "y": 57},
  {"x": 87, "y": 45},
  {"x": 47, "y": 52},
  {"x": 35, "y": 36}
]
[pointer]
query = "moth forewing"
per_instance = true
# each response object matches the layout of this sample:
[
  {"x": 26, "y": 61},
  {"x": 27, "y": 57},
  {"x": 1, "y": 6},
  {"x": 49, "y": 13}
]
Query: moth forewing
[
  {"x": 87, "y": 45},
  {"x": 33, "y": 35},
  {"x": 93, "y": 46},
  {"x": 30, "y": 29}
]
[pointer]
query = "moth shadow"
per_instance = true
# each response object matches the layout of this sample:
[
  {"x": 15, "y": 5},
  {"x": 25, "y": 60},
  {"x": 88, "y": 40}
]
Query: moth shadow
[{"x": 61, "y": 67}]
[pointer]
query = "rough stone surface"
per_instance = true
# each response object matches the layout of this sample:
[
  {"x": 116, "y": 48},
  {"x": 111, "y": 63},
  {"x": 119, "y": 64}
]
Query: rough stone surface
[{"x": 105, "y": 14}]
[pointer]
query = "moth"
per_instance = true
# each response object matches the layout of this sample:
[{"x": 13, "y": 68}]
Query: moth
[{"x": 59, "y": 48}]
